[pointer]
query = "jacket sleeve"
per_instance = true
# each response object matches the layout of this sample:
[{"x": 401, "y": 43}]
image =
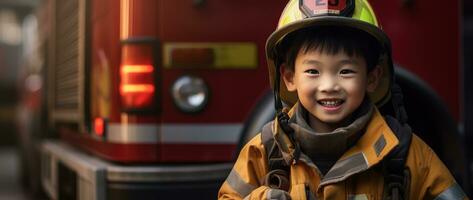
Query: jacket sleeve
[
  {"x": 438, "y": 182},
  {"x": 245, "y": 181}
]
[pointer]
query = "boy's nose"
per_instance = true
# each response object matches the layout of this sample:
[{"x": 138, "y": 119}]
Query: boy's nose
[{"x": 329, "y": 85}]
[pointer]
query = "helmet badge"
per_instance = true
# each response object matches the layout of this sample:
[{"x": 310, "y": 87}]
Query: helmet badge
[{"x": 312, "y": 8}]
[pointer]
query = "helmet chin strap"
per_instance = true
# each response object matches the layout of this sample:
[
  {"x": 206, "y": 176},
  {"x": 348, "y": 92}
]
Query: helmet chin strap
[
  {"x": 398, "y": 103},
  {"x": 277, "y": 99},
  {"x": 397, "y": 99},
  {"x": 282, "y": 116}
]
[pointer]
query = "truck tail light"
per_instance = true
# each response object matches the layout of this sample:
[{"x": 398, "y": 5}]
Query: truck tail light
[
  {"x": 138, "y": 76},
  {"x": 99, "y": 126}
]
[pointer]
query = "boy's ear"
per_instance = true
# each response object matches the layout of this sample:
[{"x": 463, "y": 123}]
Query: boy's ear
[
  {"x": 288, "y": 77},
  {"x": 373, "y": 78}
]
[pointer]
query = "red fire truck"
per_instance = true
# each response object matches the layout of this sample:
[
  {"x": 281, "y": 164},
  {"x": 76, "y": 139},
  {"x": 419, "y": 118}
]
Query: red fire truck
[
  {"x": 154, "y": 98},
  {"x": 150, "y": 97}
]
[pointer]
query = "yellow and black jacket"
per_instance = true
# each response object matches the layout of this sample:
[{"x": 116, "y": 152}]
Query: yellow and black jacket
[{"x": 356, "y": 175}]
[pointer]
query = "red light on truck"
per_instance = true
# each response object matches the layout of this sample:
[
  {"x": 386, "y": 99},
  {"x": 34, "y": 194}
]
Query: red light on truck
[
  {"x": 137, "y": 69},
  {"x": 137, "y": 85},
  {"x": 138, "y": 74},
  {"x": 135, "y": 88},
  {"x": 99, "y": 126}
]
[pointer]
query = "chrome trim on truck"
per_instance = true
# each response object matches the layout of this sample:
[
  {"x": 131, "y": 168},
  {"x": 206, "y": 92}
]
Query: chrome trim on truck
[
  {"x": 169, "y": 173},
  {"x": 94, "y": 175}
]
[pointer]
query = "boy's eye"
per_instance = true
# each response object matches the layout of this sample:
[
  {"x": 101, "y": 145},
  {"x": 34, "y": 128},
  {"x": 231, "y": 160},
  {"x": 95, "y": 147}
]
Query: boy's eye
[
  {"x": 347, "y": 71},
  {"x": 312, "y": 71}
]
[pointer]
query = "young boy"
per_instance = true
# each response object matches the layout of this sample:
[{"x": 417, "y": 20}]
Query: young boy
[{"x": 335, "y": 66}]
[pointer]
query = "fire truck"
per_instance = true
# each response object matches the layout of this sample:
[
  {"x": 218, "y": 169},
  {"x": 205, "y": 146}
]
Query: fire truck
[{"x": 147, "y": 99}]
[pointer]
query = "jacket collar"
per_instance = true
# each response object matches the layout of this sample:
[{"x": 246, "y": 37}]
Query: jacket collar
[
  {"x": 329, "y": 145},
  {"x": 375, "y": 144}
]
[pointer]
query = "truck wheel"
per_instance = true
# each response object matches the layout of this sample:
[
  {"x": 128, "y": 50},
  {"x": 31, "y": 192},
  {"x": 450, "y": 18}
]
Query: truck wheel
[
  {"x": 430, "y": 119},
  {"x": 262, "y": 113}
]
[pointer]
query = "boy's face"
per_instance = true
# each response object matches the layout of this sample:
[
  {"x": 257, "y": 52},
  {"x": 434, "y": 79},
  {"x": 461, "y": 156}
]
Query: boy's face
[{"x": 330, "y": 87}]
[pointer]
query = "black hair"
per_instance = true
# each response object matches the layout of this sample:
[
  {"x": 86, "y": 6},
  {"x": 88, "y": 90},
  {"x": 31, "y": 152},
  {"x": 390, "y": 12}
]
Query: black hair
[{"x": 331, "y": 40}]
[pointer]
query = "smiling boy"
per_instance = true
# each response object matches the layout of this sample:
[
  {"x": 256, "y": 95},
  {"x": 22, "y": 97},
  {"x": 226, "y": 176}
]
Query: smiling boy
[
  {"x": 331, "y": 64},
  {"x": 330, "y": 74}
]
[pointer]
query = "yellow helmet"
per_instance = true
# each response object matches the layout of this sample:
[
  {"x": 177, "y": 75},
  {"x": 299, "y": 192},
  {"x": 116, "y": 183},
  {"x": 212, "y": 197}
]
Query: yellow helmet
[{"x": 300, "y": 14}]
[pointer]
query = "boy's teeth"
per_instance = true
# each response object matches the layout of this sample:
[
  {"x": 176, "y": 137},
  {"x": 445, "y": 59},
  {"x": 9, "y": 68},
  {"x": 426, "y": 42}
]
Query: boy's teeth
[{"x": 331, "y": 103}]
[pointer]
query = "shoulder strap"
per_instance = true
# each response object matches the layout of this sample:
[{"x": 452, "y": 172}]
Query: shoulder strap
[
  {"x": 278, "y": 171},
  {"x": 396, "y": 175},
  {"x": 273, "y": 154}
]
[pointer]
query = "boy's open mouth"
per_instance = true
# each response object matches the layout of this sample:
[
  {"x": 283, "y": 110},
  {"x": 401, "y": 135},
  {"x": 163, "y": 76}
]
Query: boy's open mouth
[{"x": 330, "y": 102}]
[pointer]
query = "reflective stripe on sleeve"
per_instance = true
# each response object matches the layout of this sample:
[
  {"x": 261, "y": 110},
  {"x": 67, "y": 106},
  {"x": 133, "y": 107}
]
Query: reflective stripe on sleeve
[
  {"x": 238, "y": 184},
  {"x": 345, "y": 168},
  {"x": 452, "y": 193}
]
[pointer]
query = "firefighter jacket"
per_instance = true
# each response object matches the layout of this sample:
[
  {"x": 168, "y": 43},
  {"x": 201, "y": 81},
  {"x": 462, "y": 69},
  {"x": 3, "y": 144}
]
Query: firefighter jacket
[{"x": 356, "y": 175}]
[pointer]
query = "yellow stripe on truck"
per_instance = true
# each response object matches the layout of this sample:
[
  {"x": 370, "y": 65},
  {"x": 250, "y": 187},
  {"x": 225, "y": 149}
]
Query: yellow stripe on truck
[{"x": 231, "y": 55}]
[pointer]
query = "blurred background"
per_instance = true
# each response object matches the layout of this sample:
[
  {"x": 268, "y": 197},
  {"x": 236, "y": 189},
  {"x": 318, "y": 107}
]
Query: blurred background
[
  {"x": 15, "y": 19},
  {"x": 121, "y": 99}
]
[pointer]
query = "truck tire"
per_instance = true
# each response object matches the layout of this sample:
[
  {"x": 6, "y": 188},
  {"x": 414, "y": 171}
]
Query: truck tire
[
  {"x": 262, "y": 113},
  {"x": 430, "y": 119}
]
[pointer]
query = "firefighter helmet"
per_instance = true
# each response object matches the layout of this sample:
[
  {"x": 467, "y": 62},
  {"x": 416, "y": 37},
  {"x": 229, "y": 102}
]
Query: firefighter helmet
[{"x": 300, "y": 14}]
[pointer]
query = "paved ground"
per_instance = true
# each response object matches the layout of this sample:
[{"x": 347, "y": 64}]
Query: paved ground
[{"x": 9, "y": 175}]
